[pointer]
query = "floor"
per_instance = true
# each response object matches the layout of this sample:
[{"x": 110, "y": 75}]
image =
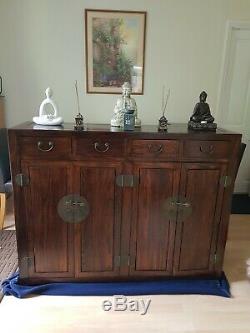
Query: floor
[
  {"x": 193, "y": 313},
  {"x": 9, "y": 221}
]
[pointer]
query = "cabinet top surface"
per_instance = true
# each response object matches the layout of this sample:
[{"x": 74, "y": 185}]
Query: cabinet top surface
[{"x": 105, "y": 128}]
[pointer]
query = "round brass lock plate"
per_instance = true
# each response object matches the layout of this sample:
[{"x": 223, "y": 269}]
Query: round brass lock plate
[
  {"x": 176, "y": 207},
  {"x": 184, "y": 209},
  {"x": 73, "y": 208},
  {"x": 169, "y": 208}
]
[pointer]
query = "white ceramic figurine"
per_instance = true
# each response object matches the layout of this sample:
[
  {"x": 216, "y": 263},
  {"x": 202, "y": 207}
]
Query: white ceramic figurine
[
  {"x": 123, "y": 102},
  {"x": 48, "y": 119}
]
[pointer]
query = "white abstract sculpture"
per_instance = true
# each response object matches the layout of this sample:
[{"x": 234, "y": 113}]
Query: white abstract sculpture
[{"x": 51, "y": 118}]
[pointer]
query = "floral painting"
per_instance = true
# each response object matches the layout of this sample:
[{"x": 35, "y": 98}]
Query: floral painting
[{"x": 114, "y": 50}]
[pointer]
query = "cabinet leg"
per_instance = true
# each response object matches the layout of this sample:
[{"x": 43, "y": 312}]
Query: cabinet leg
[{"x": 2, "y": 209}]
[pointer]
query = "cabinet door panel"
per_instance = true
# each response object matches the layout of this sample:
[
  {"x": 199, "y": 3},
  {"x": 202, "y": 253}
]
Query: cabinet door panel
[
  {"x": 196, "y": 234},
  {"x": 51, "y": 238},
  {"x": 152, "y": 231},
  {"x": 98, "y": 236}
]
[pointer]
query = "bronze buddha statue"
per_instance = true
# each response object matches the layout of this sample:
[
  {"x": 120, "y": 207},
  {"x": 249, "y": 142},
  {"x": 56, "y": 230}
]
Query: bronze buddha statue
[
  {"x": 201, "y": 118},
  {"x": 202, "y": 110}
]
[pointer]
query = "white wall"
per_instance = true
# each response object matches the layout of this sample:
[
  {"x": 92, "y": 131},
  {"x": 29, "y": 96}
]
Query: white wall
[{"x": 42, "y": 44}]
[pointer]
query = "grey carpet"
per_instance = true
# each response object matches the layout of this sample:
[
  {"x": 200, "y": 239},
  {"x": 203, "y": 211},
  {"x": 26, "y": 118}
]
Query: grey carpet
[{"x": 8, "y": 255}]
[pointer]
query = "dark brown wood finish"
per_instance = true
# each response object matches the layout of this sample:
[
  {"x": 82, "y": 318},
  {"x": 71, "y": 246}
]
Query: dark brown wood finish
[
  {"x": 45, "y": 147},
  {"x": 156, "y": 149},
  {"x": 19, "y": 209},
  {"x": 153, "y": 233},
  {"x": 98, "y": 236},
  {"x": 126, "y": 235},
  {"x": 98, "y": 146},
  {"x": 50, "y": 239},
  {"x": 233, "y": 165},
  {"x": 206, "y": 149},
  {"x": 202, "y": 188}
]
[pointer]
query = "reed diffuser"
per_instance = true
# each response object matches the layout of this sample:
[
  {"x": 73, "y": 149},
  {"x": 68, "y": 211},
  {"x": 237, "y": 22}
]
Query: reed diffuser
[
  {"x": 163, "y": 122},
  {"x": 79, "y": 125}
]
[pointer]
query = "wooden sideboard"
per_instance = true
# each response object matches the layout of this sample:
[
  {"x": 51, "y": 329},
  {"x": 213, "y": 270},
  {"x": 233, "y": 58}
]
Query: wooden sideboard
[{"x": 155, "y": 204}]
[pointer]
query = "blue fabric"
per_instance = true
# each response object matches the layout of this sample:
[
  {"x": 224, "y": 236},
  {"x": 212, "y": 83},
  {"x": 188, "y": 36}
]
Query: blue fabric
[{"x": 202, "y": 286}]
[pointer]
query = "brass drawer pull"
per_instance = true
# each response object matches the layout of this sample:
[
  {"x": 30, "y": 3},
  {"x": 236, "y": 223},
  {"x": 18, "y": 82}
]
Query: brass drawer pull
[
  {"x": 45, "y": 146},
  {"x": 74, "y": 203},
  {"x": 101, "y": 148},
  {"x": 210, "y": 150},
  {"x": 155, "y": 149},
  {"x": 183, "y": 204}
]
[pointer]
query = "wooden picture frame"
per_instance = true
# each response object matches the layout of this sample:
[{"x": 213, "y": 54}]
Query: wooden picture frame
[{"x": 115, "y": 50}]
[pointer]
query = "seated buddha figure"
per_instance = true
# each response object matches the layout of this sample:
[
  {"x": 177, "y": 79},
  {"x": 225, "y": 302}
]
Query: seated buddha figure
[
  {"x": 122, "y": 103},
  {"x": 202, "y": 111}
]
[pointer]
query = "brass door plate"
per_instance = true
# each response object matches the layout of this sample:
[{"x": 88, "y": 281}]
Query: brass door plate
[
  {"x": 22, "y": 180},
  {"x": 226, "y": 181},
  {"x": 127, "y": 180},
  {"x": 73, "y": 208},
  {"x": 176, "y": 207}
]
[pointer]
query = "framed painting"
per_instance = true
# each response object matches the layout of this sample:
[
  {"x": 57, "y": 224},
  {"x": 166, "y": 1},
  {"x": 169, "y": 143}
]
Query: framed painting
[{"x": 115, "y": 49}]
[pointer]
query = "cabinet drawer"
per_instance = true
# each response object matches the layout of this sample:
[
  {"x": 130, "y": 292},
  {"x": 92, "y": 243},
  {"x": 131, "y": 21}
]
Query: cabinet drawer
[
  {"x": 159, "y": 149},
  {"x": 45, "y": 147},
  {"x": 206, "y": 149},
  {"x": 101, "y": 146}
]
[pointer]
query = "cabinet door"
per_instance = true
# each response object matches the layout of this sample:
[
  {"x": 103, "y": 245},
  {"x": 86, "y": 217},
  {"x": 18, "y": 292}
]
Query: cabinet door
[
  {"x": 98, "y": 236},
  {"x": 202, "y": 188},
  {"x": 153, "y": 231},
  {"x": 50, "y": 238}
]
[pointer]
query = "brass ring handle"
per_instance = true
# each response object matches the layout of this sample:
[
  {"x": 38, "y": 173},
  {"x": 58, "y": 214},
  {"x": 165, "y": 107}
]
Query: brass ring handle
[
  {"x": 101, "y": 148},
  {"x": 155, "y": 149},
  {"x": 40, "y": 145},
  {"x": 210, "y": 149}
]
